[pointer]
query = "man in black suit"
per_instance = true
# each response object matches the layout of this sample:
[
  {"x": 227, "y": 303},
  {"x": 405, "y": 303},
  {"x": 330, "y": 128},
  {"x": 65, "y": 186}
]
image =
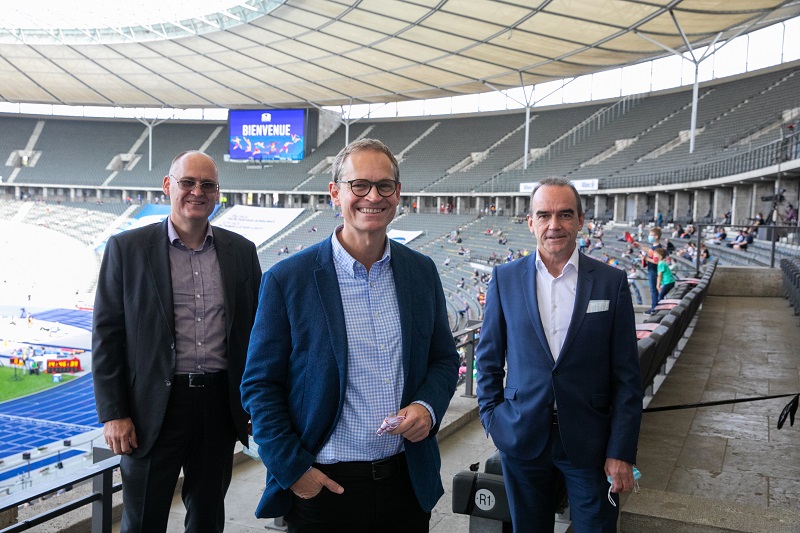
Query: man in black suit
[{"x": 173, "y": 312}]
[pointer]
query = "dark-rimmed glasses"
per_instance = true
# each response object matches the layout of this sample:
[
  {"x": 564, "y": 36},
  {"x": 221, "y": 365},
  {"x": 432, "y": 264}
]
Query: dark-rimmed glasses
[
  {"x": 361, "y": 188},
  {"x": 185, "y": 184}
]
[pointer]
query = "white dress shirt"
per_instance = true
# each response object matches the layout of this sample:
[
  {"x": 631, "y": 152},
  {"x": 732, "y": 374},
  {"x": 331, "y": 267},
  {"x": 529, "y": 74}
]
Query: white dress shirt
[{"x": 556, "y": 300}]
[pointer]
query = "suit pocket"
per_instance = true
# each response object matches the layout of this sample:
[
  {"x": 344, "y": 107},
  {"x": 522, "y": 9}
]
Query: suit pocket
[{"x": 510, "y": 393}]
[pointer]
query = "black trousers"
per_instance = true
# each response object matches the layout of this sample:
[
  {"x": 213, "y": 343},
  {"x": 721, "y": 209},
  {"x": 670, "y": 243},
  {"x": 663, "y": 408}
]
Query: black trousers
[
  {"x": 367, "y": 505},
  {"x": 198, "y": 436}
]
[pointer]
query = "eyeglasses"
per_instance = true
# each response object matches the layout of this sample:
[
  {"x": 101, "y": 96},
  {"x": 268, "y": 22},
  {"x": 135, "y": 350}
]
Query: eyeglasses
[
  {"x": 186, "y": 184},
  {"x": 361, "y": 188}
]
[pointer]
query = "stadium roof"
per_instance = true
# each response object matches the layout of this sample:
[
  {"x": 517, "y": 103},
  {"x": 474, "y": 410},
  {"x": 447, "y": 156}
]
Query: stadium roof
[{"x": 291, "y": 53}]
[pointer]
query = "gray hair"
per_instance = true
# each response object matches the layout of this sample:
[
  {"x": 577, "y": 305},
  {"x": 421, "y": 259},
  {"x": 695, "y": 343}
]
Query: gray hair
[
  {"x": 363, "y": 145},
  {"x": 556, "y": 181}
]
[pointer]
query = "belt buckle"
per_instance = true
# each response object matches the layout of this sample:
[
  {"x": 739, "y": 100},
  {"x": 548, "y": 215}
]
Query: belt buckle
[
  {"x": 382, "y": 469},
  {"x": 192, "y": 384}
]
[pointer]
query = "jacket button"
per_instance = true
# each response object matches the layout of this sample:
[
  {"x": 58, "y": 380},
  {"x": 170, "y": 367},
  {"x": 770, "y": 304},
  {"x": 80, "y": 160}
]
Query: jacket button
[
  {"x": 555, "y": 372},
  {"x": 168, "y": 383}
]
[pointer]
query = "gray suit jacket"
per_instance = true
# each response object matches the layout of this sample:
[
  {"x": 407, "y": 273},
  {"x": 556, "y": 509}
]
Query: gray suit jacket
[{"x": 133, "y": 334}]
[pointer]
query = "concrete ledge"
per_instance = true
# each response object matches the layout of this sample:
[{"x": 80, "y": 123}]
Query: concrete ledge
[
  {"x": 746, "y": 281},
  {"x": 655, "y": 511}
]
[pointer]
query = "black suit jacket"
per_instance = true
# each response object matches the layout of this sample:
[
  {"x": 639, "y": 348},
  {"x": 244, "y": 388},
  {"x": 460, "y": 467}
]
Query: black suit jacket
[{"x": 133, "y": 335}]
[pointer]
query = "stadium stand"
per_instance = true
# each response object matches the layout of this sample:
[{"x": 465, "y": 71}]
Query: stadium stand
[{"x": 627, "y": 143}]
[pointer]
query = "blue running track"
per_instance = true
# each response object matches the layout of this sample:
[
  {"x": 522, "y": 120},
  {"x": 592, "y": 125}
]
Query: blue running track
[
  {"x": 48, "y": 416},
  {"x": 52, "y": 415}
]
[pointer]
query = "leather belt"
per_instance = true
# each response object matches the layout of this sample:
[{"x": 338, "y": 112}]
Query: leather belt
[
  {"x": 375, "y": 470},
  {"x": 200, "y": 380}
]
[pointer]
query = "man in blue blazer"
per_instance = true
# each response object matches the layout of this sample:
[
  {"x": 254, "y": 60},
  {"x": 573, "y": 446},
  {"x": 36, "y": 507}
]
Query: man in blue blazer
[
  {"x": 559, "y": 327},
  {"x": 348, "y": 334}
]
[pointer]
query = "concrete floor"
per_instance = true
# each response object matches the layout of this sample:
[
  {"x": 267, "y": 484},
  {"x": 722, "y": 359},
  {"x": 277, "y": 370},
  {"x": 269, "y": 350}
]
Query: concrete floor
[{"x": 739, "y": 348}]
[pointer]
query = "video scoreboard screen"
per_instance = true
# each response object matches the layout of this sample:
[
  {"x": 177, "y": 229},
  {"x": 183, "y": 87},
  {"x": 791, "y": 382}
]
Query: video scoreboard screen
[{"x": 267, "y": 135}]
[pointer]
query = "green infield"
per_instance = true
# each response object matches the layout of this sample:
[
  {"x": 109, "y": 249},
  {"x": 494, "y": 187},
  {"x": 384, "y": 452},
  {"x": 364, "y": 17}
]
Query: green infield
[{"x": 24, "y": 384}]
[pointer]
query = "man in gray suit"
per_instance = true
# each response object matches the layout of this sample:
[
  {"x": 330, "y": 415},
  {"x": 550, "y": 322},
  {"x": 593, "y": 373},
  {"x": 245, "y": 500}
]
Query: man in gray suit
[{"x": 174, "y": 307}]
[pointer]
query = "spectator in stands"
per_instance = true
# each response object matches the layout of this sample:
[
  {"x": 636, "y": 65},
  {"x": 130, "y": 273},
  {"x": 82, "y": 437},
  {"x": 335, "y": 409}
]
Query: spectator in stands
[
  {"x": 748, "y": 239},
  {"x": 677, "y": 231},
  {"x": 597, "y": 245},
  {"x": 688, "y": 252},
  {"x": 633, "y": 286},
  {"x": 650, "y": 261},
  {"x": 791, "y": 214},
  {"x": 665, "y": 281},
  {"x": 166, "y": 389},
  {"x": 719, "y": 235},
  {"x": 757, "y": 221},
  {"x": 739, "y": 240},
  {"x": 704, "y": 254},
  {"x": 659, "y": 219},
  {"x": 461, "y": 284},
  {"x": 317, "y": 400},
  {"x": 626, "y": 237},
  {"x": 502, "y": 240},
  {"x": 669, "y": 246},
  {"x": 583, "y": 243},
  {"x": 589, "y": 365}
]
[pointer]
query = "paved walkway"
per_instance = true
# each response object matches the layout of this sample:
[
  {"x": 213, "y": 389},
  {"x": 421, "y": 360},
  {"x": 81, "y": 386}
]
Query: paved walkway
[{"x": 740, "y": 347}]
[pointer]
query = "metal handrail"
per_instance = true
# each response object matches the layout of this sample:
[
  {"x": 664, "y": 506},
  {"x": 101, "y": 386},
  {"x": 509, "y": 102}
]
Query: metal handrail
[{"x": 103, "y": 487}]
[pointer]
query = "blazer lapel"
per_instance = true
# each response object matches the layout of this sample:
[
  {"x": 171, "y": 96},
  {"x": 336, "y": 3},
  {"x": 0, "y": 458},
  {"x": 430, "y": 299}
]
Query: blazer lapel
[
  {"x": 403, "y": 287},
  {"x": 157, "y": 250},
  {"x": 582, "y": 295},
  {"x": 532, "y": 303},
  {"x": 227, "y": 267},
  {"x": 330, "y": 299}
]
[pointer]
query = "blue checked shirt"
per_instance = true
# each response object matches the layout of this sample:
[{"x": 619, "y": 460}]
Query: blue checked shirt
[{"x": 374, "y": 360}]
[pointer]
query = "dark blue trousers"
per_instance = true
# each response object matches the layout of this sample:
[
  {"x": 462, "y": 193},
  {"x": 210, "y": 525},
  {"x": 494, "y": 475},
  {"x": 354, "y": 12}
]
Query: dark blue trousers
[{"x": 530, "y": 486}]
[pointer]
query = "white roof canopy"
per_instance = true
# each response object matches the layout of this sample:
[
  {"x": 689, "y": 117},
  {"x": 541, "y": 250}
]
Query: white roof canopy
[{"x": 332, "y": 52}]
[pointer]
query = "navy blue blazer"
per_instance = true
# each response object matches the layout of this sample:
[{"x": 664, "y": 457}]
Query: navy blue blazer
[
  {"x": 296, "y": 371},
  {"x": 596, "y": 380}
]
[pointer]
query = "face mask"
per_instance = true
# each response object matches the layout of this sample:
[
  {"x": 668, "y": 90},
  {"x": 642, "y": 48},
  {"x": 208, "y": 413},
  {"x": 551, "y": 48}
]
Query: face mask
[{"x": 651, "y": 239}]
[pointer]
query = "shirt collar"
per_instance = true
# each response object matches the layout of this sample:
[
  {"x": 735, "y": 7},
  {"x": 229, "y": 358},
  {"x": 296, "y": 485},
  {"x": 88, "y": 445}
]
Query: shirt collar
[
  {"x": 347, "y": 263},
  {"x": 175, "y": 239},
  {"x": 572, "y": 261}
]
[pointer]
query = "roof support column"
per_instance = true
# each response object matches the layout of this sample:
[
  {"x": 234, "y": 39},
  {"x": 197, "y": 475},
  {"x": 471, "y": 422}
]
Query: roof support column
[
  {"x": 710, "y": 51},
  {"x": 150, "y": 125}
]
